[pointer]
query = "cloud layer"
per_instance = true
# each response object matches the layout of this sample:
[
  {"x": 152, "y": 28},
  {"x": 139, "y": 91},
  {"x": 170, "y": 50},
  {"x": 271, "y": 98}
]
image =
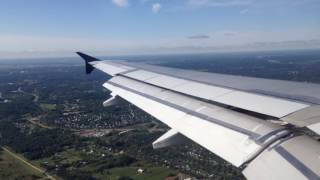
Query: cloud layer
[
  {"x": 15, "y": 46},
  {"x": 156, "y": 7},
  {"x": 121, "y": 3},
  {"x": 219, "y": 3},
  {"x": 199, "y": 37}
]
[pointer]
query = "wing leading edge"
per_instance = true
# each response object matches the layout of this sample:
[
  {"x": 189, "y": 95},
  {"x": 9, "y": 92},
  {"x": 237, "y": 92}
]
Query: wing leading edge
[{"x": 227, "y": 121}]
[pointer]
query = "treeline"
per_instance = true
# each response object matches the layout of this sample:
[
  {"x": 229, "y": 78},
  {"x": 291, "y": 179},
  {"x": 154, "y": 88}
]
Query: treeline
[
  {"x": 18, "y": 107},
  {"x": 36, "y": 145}
]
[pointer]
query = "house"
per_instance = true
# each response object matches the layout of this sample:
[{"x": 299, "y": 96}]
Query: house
[{"x": 140, "y": 171}]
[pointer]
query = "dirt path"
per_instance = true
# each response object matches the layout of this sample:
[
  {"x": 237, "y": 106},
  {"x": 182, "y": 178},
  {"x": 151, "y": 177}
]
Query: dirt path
[
  {"x": 27, "y": 163},
  {"x": 35, "y": 121}
]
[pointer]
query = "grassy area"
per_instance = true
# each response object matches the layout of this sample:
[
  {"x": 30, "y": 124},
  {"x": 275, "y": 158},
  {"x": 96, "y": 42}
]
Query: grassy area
[
  {"x": 13, "y": 168},
  {"x": 72, "y": 156},
  {"x": 151, "y": 173},
  {"x": 48, "y": 107},
  {"x": 66, "y": 157}
]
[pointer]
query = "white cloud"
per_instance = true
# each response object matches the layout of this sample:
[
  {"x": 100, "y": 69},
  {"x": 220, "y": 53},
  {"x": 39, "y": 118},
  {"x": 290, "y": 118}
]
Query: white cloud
[
  {"x": 121, "y": 3},
  {"x": 218, "y": 3},
  {"x": 156, "y": 7},
  {"x": 244, "y": 11},
  {"x": 201, "y": 36}
]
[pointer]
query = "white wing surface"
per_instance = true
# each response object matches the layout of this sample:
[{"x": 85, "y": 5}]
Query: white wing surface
[{"x": 231, "y": 116}]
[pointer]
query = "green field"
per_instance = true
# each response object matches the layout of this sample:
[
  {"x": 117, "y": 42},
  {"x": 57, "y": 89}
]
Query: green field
[
  {"x": 151, "y": 173},
  {"x": 48, "y": 107},
  {"x": 12, "y": 168},
  {"x": 72, "y": 156}
]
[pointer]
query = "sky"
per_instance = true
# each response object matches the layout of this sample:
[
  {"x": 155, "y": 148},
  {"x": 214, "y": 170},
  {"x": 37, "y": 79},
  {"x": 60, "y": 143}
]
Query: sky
[{"x": 118, "y": 27}]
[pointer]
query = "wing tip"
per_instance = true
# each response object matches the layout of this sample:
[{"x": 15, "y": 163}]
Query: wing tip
[{"x": 87, "y": 59}]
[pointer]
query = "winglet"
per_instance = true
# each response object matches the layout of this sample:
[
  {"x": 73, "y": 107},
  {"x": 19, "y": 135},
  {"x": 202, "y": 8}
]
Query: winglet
[{"x": 88, "y": 59}]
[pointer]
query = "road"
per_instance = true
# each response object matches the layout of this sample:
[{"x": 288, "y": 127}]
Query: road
[
  {"x": 29, "y": 164},
  {"x": 35, "y": 121}
]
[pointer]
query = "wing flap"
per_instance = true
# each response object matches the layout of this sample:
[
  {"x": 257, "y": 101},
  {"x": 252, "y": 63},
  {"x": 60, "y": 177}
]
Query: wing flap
[
  {"x": 305, "y": 117},
  {"x": 287, "y": 160},
  {"x": 172, "y": 137}
]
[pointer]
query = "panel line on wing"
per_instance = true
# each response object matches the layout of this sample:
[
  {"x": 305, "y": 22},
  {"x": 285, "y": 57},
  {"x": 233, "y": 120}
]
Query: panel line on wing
[
  {"x": 254, "y": 102},
  {"x": 204, "y": 82},
  {"x": 251, "y": 134},
  {"x": 304, "y": 99},
  {"x": 129, "y": 71},
  {"x": 307, "y": 172}
]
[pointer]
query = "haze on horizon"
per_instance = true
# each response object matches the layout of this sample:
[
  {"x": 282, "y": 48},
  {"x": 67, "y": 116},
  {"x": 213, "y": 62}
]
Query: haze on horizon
[{"x": 33, "y": 28}]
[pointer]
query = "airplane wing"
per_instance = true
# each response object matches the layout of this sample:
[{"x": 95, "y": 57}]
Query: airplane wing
[{"x": 252, "y": 123}]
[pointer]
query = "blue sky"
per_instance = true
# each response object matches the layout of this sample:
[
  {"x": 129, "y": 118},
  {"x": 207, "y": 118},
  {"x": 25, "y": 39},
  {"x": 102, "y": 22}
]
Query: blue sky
[{"x": 60, "y": 27}]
